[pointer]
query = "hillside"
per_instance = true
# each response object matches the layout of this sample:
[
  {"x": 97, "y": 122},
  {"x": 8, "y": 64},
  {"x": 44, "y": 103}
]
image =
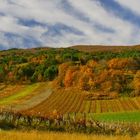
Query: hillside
[
  {"x": 102, "y": 74},
  {"x": 54, "y": 83},
  {"x": 112, "y": 73}
]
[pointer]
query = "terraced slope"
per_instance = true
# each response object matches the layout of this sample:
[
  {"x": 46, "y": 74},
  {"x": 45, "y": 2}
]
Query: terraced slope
[
  {"x": 20, "y": 97},
  {"x": 39, "y": 95},
  {"x": 9, "y": 90},
  {"x": 42, "y": 99},
  {"x": 69, "y": 101},
  {"x": 15, "y": 95}
]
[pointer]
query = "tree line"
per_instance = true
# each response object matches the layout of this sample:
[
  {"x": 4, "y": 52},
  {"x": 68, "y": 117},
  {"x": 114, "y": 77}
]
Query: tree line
[{"x": 107, "y": 71}]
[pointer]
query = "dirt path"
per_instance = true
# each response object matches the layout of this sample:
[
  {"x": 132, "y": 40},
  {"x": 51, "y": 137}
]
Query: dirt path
[{"x": 42, "y": 94}]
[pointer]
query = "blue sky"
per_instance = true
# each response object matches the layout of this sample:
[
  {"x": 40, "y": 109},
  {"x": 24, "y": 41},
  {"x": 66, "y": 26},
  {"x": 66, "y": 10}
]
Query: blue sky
[{"x": 62, "y": 23}]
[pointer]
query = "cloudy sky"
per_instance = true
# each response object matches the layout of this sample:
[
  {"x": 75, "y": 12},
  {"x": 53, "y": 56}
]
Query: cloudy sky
[{"x": 62, "y": 23}]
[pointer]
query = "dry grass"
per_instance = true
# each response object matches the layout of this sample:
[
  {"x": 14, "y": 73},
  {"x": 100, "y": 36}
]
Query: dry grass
[
  {"x": 35, "y": 135},
  {"x": 97, "y": 48}
]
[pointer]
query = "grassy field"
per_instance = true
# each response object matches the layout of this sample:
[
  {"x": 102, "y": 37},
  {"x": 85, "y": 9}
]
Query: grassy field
[
  {"x": 42, "y": 92},
  {"x": 35, "y": 135},
  {"x": 120, "y": 116},
  {"x": 19, "y": 94}
]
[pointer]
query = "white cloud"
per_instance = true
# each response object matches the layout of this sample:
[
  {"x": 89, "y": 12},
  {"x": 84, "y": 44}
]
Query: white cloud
[
  {"x": 96, "y": 13},
  {"x": 8, "y": 42},
  {"x": 48, "y": 12},
  {"x": 10, "y": 24},
  {"x": 133, "y": 5}
]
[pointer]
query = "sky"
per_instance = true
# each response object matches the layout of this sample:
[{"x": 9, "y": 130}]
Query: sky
[{"x": 63, "y": 23}]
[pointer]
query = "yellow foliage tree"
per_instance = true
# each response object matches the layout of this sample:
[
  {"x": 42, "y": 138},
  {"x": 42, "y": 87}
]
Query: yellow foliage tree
[
  {"x": 119, "y": 63},
  {"x": 136, "y": 83}
]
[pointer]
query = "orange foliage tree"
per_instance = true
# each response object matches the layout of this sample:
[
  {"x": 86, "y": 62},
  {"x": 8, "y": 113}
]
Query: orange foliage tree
[{"x": 70, "y": 76}]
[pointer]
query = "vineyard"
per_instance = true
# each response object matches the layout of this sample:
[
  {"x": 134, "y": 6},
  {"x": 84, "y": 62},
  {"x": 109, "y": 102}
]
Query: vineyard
[
  {"x": 42, "y": 99},
  {"x": 41, "y": 106},
  {"x": 71, "y": 100}
]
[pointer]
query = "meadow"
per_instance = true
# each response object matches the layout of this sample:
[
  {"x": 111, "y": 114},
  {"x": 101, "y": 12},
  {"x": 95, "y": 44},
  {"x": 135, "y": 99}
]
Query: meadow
[
  {"x": 132, "y": 117},
  {"x": 26, "y": 90}
]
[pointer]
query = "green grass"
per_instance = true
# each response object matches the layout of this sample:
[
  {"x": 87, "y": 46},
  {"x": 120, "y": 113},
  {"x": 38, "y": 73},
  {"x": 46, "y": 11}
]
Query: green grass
[
  {"x": 121, "y": 116},
  {"x": 112, "y": 117},
  {"x": 25, "y": 91}
]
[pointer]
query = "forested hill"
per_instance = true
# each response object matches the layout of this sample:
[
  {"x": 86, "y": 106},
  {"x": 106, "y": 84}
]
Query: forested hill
[{"x": 109, "y": 71}]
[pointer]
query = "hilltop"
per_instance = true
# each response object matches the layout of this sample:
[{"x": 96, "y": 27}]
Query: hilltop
[{"x": 96, "y": 48}]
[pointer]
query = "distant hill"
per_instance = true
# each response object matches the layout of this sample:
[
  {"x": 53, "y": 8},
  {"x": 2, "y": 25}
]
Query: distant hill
[
  {"x": 95, "y": 48},
  {"x": 84, "y": 48}
]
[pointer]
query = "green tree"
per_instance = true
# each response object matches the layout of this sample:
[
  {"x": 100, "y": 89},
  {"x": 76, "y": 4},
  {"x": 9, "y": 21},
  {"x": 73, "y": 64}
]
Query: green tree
[{"x": 51, "y": 72}]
